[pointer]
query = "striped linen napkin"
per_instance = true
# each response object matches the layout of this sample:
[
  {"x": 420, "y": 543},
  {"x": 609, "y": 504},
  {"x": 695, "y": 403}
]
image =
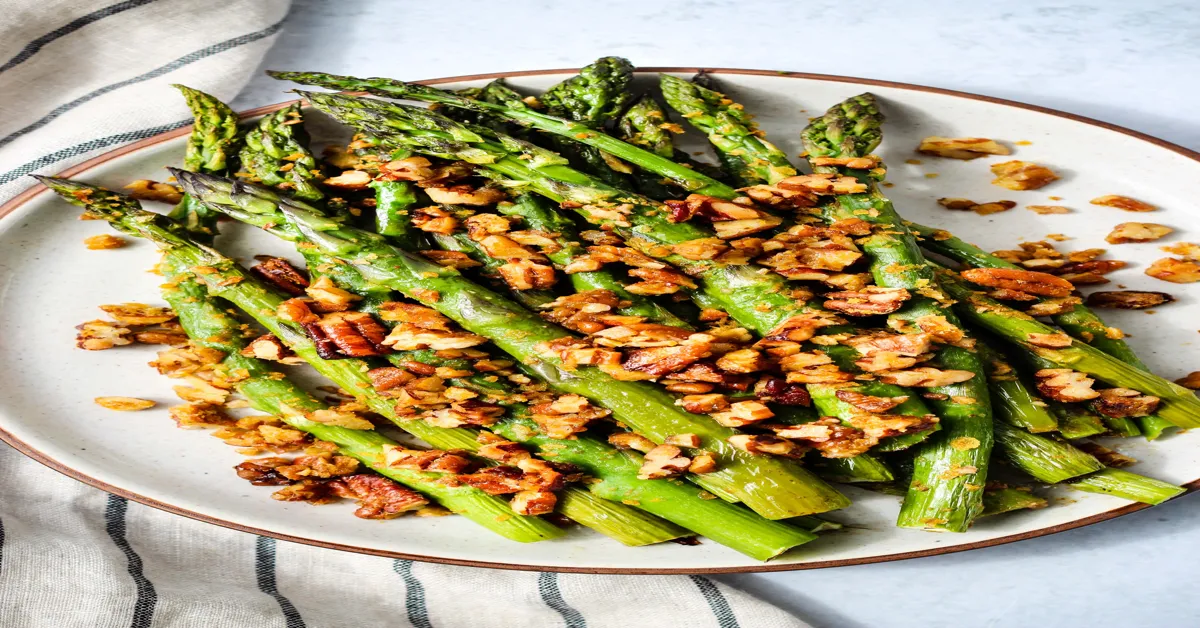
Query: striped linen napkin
[{"x": 78, "y": 79}]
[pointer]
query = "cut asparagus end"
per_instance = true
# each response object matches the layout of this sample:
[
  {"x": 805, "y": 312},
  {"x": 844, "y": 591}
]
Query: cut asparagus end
[{"x": 1127, "y": 485}]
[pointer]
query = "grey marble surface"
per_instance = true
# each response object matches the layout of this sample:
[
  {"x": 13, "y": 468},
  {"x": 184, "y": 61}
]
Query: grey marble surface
[{"x": 1129, "y": 63}]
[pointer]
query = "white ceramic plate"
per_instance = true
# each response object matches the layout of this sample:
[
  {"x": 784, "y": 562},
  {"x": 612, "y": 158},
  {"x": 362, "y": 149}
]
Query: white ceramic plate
[{"x": 49, "y": 282}]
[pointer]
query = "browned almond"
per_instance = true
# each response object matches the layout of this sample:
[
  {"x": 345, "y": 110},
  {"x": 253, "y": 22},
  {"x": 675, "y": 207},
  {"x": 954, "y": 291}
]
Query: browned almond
[
  {"x": 1123, "y": 202},
  {"x": 124, "y": 404},
  {"x": 1174, "y": 270},
  {"x": 1022, "y": 175},
  {"x": 1029, "y": 281},
  {"x": 1128, "y": 299},
  {"x": 1137, "y": 232}
]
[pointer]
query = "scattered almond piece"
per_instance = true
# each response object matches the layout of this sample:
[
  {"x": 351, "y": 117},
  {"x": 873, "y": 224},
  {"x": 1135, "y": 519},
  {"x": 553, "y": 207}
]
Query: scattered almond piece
[
  {"x": 1191, "y": 380},
  {"x": 1174, "y": 270},
  {"x": 985, "y": 209},
  {"x": 1136, "y": 232},
  {"x": 956, "y": 203},
  {"x": 1128, "y": 299},
  {"x": 1123, "y": 202},
  {"x": 124, "y": 404},
  {"x": 965, "y": 148},
  {"x": 1048, "y": 209},
  {"x": 1187, "y": 250},
  {"x": 1022, "y": 175},
  {"x": 104, "y": 241}
]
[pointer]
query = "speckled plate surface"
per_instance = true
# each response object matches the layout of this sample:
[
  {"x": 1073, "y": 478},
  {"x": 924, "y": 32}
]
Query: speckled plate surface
[{"x": 49, "y": 282}]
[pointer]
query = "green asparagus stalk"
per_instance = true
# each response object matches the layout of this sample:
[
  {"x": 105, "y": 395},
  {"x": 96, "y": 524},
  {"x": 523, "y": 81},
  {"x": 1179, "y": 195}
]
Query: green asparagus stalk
[
  {"x": 680, "y": 175},
  {"x": 211, "y": 148},
  {"x": 593, "y": 97},
  {"x": 1014, "y": 402},
  {"x": 791, "y": 491},
  {"x": 1126, "y": 485},
  {"x": 276, "y": 154},
  {"x": 852, "y": 129},
  {"x": 1002, "y": 500},
  {"x": 1080, "y": 322},
  {"x": 1179, "y": 405},
  {"x": 1046, "y": 459},
  {"x": 393, "y": 202},
  {"x": 645, "y": 125},
  {"x": 1075, "y": 422},
  {"x": 730, "y": 129},
  {"x": 211, "y": 326}
]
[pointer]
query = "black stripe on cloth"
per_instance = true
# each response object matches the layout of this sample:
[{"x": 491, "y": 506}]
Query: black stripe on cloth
[
  {"x": 1, "y": 545},
  {"x": 147, "y": 598},
  {"x": 716, "y": 602},
  {"x": 264, "y": 570},
  {"x": 34, "y": 46},
  {"x": 88, "y": 146},
  {"x": 552, "y": 596},
  {"x": 187, "y": 59},
  {"x": 414, "y": 595}
]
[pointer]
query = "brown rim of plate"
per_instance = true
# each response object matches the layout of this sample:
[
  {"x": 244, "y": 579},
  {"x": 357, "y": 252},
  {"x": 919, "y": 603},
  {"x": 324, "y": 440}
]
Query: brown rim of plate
[{"x": 26, "y": 449}]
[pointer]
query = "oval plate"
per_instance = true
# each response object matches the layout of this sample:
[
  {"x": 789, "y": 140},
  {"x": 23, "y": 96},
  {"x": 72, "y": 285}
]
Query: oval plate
[{"x": 49, "y": 282}]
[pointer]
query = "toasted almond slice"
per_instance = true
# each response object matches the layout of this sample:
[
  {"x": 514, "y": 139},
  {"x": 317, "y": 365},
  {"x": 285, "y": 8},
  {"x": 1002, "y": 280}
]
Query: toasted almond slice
[
  {"x": 1123, "y": 202},
  {"x": 124, "y": 404},
  {"x": 1136, "y": 232}
]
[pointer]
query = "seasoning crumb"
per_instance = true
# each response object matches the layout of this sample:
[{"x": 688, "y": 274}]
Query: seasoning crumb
[
  {"x": 915, "y": 162},
  {"x": 931, "y": 175}
]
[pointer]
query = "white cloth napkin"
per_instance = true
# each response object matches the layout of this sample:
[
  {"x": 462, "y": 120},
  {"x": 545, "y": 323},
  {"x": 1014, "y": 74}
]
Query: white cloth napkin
[{"x": 79, "y": 78}]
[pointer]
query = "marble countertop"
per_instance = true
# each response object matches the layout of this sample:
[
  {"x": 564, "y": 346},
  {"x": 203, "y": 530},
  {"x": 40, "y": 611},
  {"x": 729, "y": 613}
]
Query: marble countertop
[{"x": 1131, "y": 64}]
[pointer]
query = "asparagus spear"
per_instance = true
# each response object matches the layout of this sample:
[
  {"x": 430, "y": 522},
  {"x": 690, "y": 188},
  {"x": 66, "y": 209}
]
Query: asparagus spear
[
  {"x": 852, "y": 129},
  {"x": 1014, "y": 402},
  {"x": 1080, "y": 322},
  {"x": 393, "y": 201},
  {"x": 1179, "y": 405},
  {"x": 276, "y": 153},
  {"x": 211, "y": 148},
  {"x": 730, "y": 129},
  {"x": 680, "y": 175},
  {"x": 1126, "y": 485},
  {"x": 645, "y": 125},
  {"x": 792, "y": 491},
  {"x": 593, "y": 97},
  {"x": 1002, "y": 500},
  {"x": 212, "y": 327}
]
